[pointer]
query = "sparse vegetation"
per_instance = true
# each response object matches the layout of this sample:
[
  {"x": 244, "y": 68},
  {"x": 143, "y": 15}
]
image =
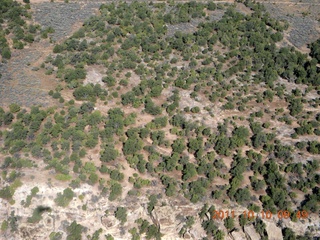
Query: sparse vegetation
[{"x": 219, "y": 114}]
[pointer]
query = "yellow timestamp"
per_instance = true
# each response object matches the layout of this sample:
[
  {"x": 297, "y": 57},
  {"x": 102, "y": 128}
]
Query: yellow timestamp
[{"x": 249, "y": 214}]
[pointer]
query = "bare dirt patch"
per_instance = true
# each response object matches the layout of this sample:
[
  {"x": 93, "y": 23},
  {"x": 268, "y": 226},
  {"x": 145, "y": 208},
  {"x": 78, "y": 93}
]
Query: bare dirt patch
[{"x": 93, "y": 76}]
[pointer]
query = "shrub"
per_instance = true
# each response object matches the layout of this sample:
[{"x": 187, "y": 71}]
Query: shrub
[
  {"x": 121, "y": 214},
  {"x": 36, "y": 216},
  {"x": 14, "y": 108},
  {"x": 109, "y": 154},
  {"x": 6, "y": 53},
  {"x": 195, "y": 109},
  {"x": 63, "y": 177},
  {"x": 116, "y": 191},
  {"x": 131, "y": 146},
  {"x": 74, "y": 231},
  {"x": 229, "y": 223},
  {"x": 64, "y": 199},
  {"x": 7, "y": 119}
]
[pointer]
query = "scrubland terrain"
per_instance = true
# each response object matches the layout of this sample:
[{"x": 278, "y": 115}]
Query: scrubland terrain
[{"x": 159, "y": 120}]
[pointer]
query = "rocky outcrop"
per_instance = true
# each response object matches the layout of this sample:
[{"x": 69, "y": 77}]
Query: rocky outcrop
[
  {"x": 251, "y": 233},
  {"x": 274, "y": 232},
  {"x": 169, "y": 216},
  {"x": 237, "y": 235}
]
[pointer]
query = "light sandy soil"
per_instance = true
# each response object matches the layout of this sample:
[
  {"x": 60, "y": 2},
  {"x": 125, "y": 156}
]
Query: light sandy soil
[
  {"x": 93, "y": 217},
  {"x": 93, "y": 76}
]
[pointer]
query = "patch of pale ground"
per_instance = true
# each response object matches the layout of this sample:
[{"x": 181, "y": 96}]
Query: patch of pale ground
[
  {"x": 134, "y": 80},
  {"x": 215, "y": 115},
  {"x": 93, "y": 76},
  {"x": 313, "y": 94},
  {"x": 246, "y": 178},
  {"x": 203, "y": 116},
  {"x": 290, "y": 85}
]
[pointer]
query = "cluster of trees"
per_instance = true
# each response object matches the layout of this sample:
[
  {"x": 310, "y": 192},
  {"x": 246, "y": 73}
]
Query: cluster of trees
[
  {"x": 90, "y": 92},
  {"x": 65, "y": 198},
  {"x": 209, "y": 224},
  {"x": 185, "y": 11},
  {"x": 115, "y": 190},
  {"x": 5, "y": 117},
  {"x": 74, "y": 231},
  {"x": 315, "y": 50},
  {"x": 13, "y": 16},
  {"x": 121, "y": 214},
  {"x": 37, "y": 214},
  {"x": 34, "y": 191},
  {"x": 192, "y": 158},
  {"x": 238, "y": 167},
  {"x": 170, "y": 185},
  {"x": 151, "y": 230},
  {"x": 8, "y": 191}
]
